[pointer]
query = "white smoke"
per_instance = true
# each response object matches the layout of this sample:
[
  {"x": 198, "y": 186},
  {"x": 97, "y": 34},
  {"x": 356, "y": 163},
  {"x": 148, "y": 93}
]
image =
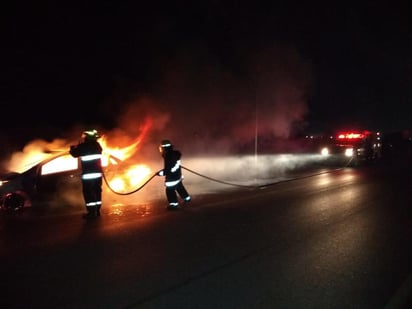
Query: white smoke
[{"x": 205, "y": 108}]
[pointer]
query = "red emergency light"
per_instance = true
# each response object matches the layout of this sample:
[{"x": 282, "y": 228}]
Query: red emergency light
[{"x": 352, "y": 135}]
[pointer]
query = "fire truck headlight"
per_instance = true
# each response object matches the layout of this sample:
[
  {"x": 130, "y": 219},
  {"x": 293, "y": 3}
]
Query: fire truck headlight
[
  {"x": 324, "y": 151},
  {"x": 349, "y": 152}
]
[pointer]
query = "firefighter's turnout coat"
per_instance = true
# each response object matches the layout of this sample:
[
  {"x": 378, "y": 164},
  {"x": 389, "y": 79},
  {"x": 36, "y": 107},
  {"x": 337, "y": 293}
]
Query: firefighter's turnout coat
[
  {"x": 172, "y": 169},
  {"x": 90, "y": 154},
  {"x": 173, "y": 177}
]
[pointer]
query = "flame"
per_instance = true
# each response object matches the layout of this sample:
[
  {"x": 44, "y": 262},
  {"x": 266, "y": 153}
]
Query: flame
[
  {"x": 35, "y": 152},
  {"x": 125, "y": 178},
  {"x": 131, "y": 178},
  {"x": 111, "y": 154}
]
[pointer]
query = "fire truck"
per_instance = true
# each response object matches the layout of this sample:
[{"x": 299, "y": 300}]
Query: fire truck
[{"x": 354, "y": 146}]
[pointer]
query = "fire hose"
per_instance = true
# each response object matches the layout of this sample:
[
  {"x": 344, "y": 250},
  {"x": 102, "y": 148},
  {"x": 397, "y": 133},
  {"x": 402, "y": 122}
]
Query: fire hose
[
  {"x": 131, "y": 192},
  {"x": 217, "y": 180},
  {"x": 259, "y": 186},
  {"x": 185, "y": 168}
]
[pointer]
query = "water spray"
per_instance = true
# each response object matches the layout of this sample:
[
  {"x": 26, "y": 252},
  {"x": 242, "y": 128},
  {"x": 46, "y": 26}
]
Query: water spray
[{"x": 254, "y": 187}]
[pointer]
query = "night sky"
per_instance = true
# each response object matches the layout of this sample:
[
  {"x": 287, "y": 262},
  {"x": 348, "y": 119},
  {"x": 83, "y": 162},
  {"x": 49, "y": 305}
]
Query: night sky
[{"x": 204, "y": 69}]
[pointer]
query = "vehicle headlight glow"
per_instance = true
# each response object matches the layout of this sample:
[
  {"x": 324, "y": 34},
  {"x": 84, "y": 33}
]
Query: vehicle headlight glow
[
  {"x": 324, "y": 151},
  {"x": 349, "y": 152}
]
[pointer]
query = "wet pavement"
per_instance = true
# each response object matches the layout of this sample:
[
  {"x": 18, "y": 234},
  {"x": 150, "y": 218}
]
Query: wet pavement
[{"x": 331, "y": 240}]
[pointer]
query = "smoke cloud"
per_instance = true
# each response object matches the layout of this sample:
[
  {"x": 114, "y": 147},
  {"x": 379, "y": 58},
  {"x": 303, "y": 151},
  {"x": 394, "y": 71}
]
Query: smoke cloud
[
  {"x": 208, "y": 108},
  {"x": 205, "y": 109}
]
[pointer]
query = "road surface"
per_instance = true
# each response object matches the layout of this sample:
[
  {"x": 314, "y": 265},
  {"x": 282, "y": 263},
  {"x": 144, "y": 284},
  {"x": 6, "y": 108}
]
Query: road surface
[{"x": 337, "y": 239}]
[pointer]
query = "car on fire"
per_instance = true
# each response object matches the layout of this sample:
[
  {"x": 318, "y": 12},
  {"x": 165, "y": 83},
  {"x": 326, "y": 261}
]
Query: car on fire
[
  {"x": 356, "y": 147},
  {"x": 39, "y": 183},
  {"x": 19, "y": 190}
]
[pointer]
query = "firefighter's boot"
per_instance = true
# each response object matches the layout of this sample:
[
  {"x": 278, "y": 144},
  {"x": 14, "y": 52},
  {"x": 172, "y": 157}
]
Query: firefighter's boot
[{"x": 173, "y": 206}]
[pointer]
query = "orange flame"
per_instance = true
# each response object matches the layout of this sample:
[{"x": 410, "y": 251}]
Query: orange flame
[
  {"x": 124, "y": 153},
  {"x": 130, "y": 179},
  {"x": 116, "y": 152},
  {"x": 126, "y": 178}
]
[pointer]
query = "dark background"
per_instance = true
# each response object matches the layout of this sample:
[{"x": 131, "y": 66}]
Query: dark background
[{"x": 86, "y": 63}]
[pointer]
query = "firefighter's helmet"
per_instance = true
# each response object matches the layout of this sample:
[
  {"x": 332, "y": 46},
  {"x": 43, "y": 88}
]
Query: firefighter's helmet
[
  {"x": 91, "y": 134},
  {"x": 165, "y": 145}
]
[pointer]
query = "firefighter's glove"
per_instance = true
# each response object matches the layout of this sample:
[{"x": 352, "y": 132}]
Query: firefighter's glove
[{"x": 160, "y": 173}]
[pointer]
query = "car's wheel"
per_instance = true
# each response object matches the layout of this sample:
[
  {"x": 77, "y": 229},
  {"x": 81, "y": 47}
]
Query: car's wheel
[{"x": 13, "y": 201}]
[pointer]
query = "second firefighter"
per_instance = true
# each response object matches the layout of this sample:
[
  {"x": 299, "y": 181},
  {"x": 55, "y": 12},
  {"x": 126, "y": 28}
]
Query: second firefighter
[{"x": 173, "y": 174}]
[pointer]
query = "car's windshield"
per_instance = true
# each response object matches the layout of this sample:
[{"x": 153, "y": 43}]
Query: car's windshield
[{"x": 60, "y": 164}]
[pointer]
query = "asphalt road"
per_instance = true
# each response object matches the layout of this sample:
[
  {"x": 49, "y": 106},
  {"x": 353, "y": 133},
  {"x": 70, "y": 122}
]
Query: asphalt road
[{"x": 338, "y": 239}]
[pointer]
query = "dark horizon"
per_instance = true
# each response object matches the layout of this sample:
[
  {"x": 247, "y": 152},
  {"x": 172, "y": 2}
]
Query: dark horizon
[{"x": 204, "y": 69}]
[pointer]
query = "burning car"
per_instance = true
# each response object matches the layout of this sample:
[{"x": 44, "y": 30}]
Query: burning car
[
  {"x": 39, "y": 183},
  {"x": 356, "y": 146},
  {"x": 18, "y": 190},
  {"x": 54, "y": 169}
]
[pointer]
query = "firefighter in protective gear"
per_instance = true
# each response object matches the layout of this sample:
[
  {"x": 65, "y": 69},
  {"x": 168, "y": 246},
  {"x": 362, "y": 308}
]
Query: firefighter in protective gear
[
  {"x": 90, "y": 153},
  {"x": 173, "y": 174}
]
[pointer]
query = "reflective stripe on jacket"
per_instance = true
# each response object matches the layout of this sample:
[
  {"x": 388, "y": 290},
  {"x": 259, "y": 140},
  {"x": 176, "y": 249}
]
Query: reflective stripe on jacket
[
  {"x": 172, "y": 169},
  {"x": 90, "y": 153},
  {"x": 172, "y": 183}
]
